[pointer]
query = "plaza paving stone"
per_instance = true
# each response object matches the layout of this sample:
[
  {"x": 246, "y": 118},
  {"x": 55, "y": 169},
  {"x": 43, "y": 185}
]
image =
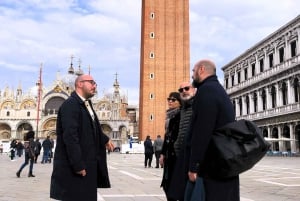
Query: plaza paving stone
[{"x": 272, "y": 179}]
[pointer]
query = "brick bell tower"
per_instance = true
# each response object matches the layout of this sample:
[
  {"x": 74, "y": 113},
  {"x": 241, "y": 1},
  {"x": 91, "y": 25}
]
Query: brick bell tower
[{"x": 165, "y": 60}]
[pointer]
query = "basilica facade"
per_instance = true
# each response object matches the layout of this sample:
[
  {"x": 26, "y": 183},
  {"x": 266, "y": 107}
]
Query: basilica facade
[
  {"x": 37, "y": 110},
  {"x": 264, "y": 86}
]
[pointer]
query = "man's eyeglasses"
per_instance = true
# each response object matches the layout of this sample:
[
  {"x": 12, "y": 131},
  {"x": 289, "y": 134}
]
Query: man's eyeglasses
[
  {"x": 92, "y": 82},
  {"x": 184, "y": 89},
  {"x": 171, "y": 99}
]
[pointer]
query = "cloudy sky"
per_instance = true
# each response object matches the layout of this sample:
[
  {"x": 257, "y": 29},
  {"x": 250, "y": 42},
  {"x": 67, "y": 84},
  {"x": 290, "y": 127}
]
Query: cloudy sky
[{"x": 105, "y": 36}]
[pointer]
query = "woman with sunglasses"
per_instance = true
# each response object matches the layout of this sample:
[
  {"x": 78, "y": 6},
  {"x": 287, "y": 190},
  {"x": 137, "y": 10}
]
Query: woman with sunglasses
[{"x": 168, "y": 157}]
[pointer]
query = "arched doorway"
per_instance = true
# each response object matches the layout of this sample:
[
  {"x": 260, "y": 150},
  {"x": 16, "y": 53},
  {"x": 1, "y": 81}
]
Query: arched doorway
[
  {"x": 22, "y": 129},
  {"x": 297, "y": 137},
  {"x": 5, "y": 131},
  {"x": 49, "y": 128},
  {"x": 274, "y": 135},
  {"x": 286, "y": 138}
]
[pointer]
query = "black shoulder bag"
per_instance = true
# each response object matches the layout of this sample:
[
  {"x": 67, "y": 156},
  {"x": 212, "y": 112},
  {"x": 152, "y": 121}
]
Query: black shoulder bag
[{"x": 235, "y": 148}]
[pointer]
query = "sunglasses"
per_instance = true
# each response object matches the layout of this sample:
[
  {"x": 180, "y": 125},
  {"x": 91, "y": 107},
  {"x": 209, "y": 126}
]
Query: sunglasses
[
  {"x": 184, "y": 89},
  {"x": 171, "y": 99}
]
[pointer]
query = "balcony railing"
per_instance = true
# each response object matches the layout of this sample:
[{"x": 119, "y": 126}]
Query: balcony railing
[
  {"x": 278, "y": 111},
  {"x": 290, "y": 63}
]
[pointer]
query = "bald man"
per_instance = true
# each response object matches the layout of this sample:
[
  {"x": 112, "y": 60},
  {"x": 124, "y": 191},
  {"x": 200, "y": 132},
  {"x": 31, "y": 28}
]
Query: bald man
[
  {"x": 212, "y": 109},
  {"x": 79, "y": 165}
]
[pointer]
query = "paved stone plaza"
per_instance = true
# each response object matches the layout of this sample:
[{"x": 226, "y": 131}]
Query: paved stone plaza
[{"x": 272, "y": 179}]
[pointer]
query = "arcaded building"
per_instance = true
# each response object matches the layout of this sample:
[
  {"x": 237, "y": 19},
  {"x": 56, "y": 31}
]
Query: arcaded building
[
  {"x": 165, "y": 60},
  {"x": 264, "y": 86},
  {"x": 37, "y": 108}
]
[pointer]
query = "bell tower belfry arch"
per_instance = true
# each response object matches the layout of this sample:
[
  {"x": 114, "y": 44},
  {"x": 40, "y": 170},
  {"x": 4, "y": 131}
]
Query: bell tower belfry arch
[{"x": 165, "y": 60}]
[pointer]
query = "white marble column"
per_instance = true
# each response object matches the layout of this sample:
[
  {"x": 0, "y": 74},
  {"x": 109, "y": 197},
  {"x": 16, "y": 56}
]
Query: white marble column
[
  {"x": 251, "y": 103},
  {"x": 293, "y": 137},
  {"x": 244, "y": 109}
]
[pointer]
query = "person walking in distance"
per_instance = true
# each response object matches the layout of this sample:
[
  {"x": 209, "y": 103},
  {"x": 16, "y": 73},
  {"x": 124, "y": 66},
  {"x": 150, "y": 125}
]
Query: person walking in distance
[
  {"x": 148, "y": 146},
  {"x": 29, "y": 147},
  {"x": 79, "y": 163},
  {"x": 212, "y": 109},
  {"x": 37, "y": 151},
  {"x": 157, "y": 147},
  {"x": 47, "y": 146},
  {"x": 168, "y": 157}
]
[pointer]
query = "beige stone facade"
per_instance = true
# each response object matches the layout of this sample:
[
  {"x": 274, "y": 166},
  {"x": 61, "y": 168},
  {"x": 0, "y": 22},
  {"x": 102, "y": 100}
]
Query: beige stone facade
[
  {"x": 20, "y": 112},
  {"x": 264, "y": 85}
]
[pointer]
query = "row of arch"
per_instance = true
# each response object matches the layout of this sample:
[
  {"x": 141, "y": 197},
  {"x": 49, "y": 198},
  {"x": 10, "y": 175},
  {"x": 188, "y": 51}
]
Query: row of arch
[
  {"x": 280, "y": 94},
  {"x": 284, "y": 137}
]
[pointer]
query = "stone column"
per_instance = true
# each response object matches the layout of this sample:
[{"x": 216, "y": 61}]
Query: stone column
[
  {"x": 291, "y": 92},
  {"x": 251, "y": 103},
  {"x": 244, "y": 109},
  {"x": 281, "y": 145},
  {"x": 293, "y": 137}
]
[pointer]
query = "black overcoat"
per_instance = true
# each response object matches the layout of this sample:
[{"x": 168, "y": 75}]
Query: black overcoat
[
  {"x": 212, "y": 109},
  {"x": 170, "y": 156},
  {"x": 80, "y": 145}
]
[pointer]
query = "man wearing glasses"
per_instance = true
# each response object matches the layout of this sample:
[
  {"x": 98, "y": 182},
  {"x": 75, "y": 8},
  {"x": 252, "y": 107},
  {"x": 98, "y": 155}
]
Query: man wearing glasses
[
  {"x": 179, "y": 180},
  {"x": 79, "y": 165},
  {"x": 212, "y": 109}
]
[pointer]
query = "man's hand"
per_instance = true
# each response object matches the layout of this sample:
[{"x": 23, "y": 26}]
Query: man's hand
[
  {"x": 192, "y": 176},
  {"x": 82, "y": 172},
  {"x": 109, "y": 146}
]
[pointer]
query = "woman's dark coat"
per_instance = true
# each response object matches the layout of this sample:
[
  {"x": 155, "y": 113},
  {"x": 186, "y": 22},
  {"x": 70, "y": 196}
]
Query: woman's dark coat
[
  {"x": 80, "y": 145},
  {"x": 212, "y": 109},
  {"x": 169, "y": 154}
]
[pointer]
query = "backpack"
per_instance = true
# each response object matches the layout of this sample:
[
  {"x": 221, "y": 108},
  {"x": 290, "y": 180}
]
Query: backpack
[
  {"x": 235, "y": 148},
  {"x": 29, "y": 148}
]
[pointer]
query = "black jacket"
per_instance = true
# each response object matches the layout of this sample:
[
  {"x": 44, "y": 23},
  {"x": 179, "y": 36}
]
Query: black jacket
[
  {"x": 212, "y": 109},
  {"x": 80, "y": 145}
]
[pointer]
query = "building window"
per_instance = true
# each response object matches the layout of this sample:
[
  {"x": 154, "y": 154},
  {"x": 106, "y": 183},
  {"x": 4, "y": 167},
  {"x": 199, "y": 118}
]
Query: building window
[
  {"x": 151, "y": 55},
  {"x": 296, "y": 90},
  {"x": 273, "y": 94},
  {"x": 264, "y": 99},
  {"x": 247, "y": 105},
  {"x": 293, "y": 49},
  {"x": 281, "y": 55},
  {"x": 284, "y": 93},
  {"x": 253, "y": 69},
  {"x": 152, "y": 15},
  {"x": 234, "y": 106},
  {"x": 152, "y": 35},
  {"x": 151, "y": 117},
  {"x": 255, "y": 102},
  {"x": 241, "y": 106},
  {"x": 151, "y": 76},
  {"x": 261, "y": 65},
  {"x": 246, "y": 73},
  {"x": 7, "y": 113},
  {"x": 28, "y": 114},
  {"x": 151, "y": 96},
  {"x": 232, "y": 80},
  {"x": 239, "y": 77},
  {"x": 271, "y": 60},
  {"x": 226, "y": 83}
]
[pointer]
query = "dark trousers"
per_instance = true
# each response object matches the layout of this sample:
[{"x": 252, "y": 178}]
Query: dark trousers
[
  {"x": 157, "y": 155},
  {"x": 148, "y": 159},
  {"x": 27, "y": 159}
]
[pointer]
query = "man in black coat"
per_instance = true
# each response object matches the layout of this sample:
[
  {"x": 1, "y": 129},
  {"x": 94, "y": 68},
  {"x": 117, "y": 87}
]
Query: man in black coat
[
  {"x": 79, "y": 165},
  {"x": 212, "y": 109}
]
